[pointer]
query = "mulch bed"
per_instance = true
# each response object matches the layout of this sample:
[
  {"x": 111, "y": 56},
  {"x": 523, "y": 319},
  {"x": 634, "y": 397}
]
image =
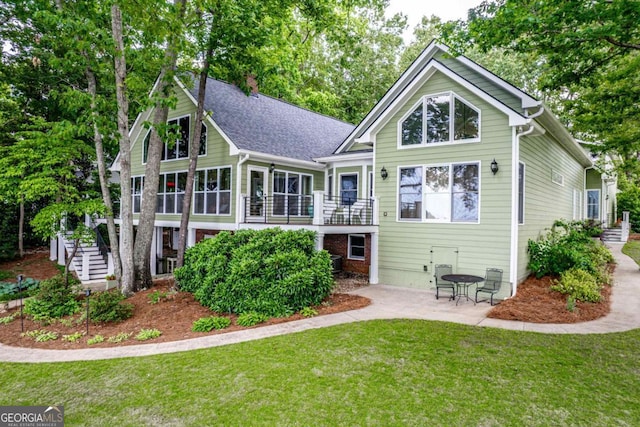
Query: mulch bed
[{"x": 535, "y": 302}]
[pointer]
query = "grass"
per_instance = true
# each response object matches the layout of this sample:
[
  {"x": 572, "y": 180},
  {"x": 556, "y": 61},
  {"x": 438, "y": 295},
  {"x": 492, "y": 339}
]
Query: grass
[
  {"x": 632, "y": 249},
  {"x": 376, "y": 373}
]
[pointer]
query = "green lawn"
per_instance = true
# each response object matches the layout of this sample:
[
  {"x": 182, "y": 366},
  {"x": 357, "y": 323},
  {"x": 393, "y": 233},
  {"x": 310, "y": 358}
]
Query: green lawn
[
  {"x": 377, "y": 373},
  {"x": 632, "y": 249}
]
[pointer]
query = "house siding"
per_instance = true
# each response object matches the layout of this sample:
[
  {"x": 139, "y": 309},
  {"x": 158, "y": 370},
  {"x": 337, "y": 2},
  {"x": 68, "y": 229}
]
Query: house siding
[
  {"x": 546, "y": 201},
  {"x": 217, "y": 155},
  {"x": 407, "y": 249}
]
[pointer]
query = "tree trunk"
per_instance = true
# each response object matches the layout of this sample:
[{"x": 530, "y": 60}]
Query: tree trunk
[
  {"x": 126, "y": 216},
  {"x": 21, "y": 230},
  {"x": 193, "y": 159},
  {"x": 102, "y": 174},
  {"x": 146, "y": 223}
]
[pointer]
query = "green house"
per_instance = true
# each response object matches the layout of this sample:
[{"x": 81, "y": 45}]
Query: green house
[{"x": 452, "y": 166}]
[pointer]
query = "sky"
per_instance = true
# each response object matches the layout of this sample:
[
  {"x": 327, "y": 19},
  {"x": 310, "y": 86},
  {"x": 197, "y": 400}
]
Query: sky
[{"x": 445, "y": 9}]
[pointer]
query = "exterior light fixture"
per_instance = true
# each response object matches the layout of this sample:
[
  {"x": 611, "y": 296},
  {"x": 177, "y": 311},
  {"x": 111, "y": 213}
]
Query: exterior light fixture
[
  {"x": 494, "y": 167},
  {"x": 272, "y": 167},
  {"x": 383, "y": 173}
]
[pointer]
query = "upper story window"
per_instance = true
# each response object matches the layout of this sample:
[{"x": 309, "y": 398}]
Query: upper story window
[
  {"x": 179, "y": 150},
  {"x": 439, "y": 119},
  {"x": 137, "y": 185}
]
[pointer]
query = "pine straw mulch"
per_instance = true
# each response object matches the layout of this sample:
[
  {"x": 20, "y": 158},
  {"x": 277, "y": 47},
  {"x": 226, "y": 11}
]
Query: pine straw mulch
[{"x": 535, "y": 302}]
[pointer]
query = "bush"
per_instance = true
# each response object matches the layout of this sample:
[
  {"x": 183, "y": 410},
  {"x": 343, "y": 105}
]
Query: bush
[
  {"x": 568, "y": 245},
  {"x": 9, "y": 291},
  {"x": 629, "y": 200},
  {"x": 579, "y": 284},
  {"x": 270, "y": 271},
  {"x": 148, "y": 334},
  {"x": 54, "y": 299},
  {"x": 207, "y": 324},
  {"x": 108, "y": 307},
  {"x": 251, "y": 318}
]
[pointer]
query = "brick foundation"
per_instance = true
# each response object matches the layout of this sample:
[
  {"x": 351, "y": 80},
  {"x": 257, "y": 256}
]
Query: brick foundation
[{"x": 338, "y": 244}]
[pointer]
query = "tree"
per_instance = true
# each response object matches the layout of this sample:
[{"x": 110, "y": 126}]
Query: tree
[{"x": 583, "y": 49}]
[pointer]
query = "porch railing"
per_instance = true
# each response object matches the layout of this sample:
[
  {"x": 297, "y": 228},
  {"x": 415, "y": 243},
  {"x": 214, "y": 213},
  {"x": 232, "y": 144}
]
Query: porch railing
[{"x": 307, "y": 209}]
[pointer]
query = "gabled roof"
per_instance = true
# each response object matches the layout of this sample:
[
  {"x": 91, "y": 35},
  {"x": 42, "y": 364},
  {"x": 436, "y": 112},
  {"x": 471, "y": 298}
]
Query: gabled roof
[{"x": 262, "y": 124}]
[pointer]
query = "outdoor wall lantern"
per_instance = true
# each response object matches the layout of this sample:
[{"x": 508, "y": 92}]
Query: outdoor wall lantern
[
  {"x": 272, "y": 167},
  {"x": 383, "y": 173},
  {"x": 494, "y": 167}
]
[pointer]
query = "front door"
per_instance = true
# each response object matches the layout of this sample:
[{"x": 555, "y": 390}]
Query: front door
[{"x": 257, "y": 194}]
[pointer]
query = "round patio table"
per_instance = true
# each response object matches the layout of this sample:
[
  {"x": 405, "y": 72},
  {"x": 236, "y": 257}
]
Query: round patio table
[{"x": 463, "y": 281}]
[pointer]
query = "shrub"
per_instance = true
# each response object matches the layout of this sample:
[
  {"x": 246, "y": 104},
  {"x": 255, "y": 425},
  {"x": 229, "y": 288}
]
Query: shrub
[
  {"x": 10, "y": 291},
  {"x": 55, "y": 298},
  {"x": 95, "y": 340},
  {"x": 578, "y": 284},
  {"x": 207, "y": 324},
  {"x": 270, "y": 271},
  {"x": 251, "y": 318},
  {"x": 565, "y": 246},
  {"x": 308, "y": 312},
  {"x": 148, "y": 334},
  {"x": 108, "y": 307}
]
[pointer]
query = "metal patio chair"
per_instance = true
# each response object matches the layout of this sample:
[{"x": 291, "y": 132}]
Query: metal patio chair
[
  {"x": 441, "y": 269},
  {"x": 491, "y": 284}
]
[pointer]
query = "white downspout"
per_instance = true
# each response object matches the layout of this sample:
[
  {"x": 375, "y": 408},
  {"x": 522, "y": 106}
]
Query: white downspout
[{"x": 239, "y": 207}]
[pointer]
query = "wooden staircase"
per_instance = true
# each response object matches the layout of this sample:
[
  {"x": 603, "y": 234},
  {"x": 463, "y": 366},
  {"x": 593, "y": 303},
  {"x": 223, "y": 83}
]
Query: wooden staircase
[{"x": 97, "y": 264}]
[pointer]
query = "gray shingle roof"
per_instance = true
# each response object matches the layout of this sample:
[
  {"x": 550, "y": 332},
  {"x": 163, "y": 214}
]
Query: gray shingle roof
[{"x": 271, "y": 126}]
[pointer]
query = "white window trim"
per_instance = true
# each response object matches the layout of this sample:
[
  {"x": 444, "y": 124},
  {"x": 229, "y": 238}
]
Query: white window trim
[
  {"x": 339, "y": 188},
  {"x": 175, "y": 193},
  {"x": 166, "y": 147},
  {"x": 422, "y": 218},
  {"x": 364, "y": 247},
  {"x": 452, "y": 96},
  {"x": 557, "y": 178},
  {"x": 586, "y": 203},
  {"x": 141, "y": 177},
  {"x": 188, "y": 141},
  {"x": 274, "y": 193},
  {"x": 193, "y": 200},
  {"x": 524, "y": 192}
]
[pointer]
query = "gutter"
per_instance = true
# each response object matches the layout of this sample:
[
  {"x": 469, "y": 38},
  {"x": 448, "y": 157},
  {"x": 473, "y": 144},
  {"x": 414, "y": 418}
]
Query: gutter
[{"x": 243, "y": 159}]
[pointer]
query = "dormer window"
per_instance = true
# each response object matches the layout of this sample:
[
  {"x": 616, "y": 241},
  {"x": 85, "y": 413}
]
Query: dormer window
[{"x": 448, "y": 118}]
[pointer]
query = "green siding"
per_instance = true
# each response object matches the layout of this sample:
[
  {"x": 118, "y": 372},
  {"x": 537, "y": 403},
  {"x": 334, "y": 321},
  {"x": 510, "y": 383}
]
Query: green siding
[
  {"x": 594, "y": 180},
  {"x": 546, "y": 201},
  {"x": 217, "y": 155},
  {"x": 406, "y": 247}
]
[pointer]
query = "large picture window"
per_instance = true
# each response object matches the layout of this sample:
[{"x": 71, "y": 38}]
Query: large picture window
[
  {"x": 212, "y": 191},
  {"x": 179, "y": 150},
  {"x": 171, "y": 188},
  {"x": 447, "y": 193},
  {"x": 448, "y": 118},
  {"x": 292, "y": 194}
]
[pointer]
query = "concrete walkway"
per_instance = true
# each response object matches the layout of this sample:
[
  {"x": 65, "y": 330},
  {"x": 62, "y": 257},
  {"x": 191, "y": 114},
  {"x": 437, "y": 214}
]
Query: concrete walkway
[{"x": 387, "y": 303}]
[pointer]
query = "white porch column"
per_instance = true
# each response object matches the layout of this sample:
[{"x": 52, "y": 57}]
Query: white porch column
[
  {"x": 373, "y": 266},
  {"x": 86, "y": 265},
  {"x": 191, "y": 237},
  {"x": 319, "y": 241},
  {"x": 110, "y": 268},
  {"x": 53, "y": 249},
  {"x": 318, "y": 207},
  {"x": 61, "y": 250},
  {"x": 376, "y": 211}
]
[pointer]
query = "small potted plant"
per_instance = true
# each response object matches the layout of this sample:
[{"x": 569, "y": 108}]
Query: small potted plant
[{"x": 111, "y": 281}]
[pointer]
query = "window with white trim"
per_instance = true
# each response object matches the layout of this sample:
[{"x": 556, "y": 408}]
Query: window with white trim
[
  {"x": 348, "y": 189},
  {"x": 292, "y": 194},
  {"x": 171, "y": 188},
  {"x": 137, "y": 185},
  {"x": 356, "y": 246},
  {"x": 557, "y": 177},
  {"x": 179, "y": 150},
  {"x": 440, "y": 119},
  {"x": 593, "y": 204},
  {"x": 447, "y": 193},
  {"x": 212, "y": 191}
]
